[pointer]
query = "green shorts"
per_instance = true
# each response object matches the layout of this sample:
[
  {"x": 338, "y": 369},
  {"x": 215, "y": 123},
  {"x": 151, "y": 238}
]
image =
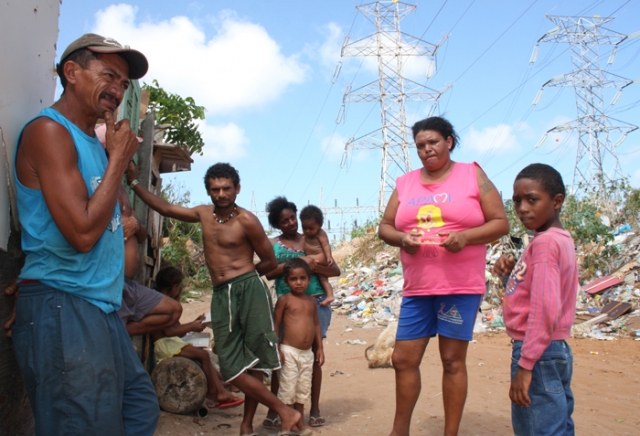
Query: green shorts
[{"x": 242, "y": 324}]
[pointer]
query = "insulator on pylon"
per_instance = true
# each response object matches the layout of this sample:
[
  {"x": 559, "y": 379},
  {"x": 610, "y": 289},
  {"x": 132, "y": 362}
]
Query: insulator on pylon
[
  {"x": 620, "y": 141},
  {"x": 612, "y": 56},
  {"x": 336, "y": 72},
  {"x": 616, "y": 97},
  {"x": 340, "y": 117},
  {"x": 544, "y": 138},
  {"x": 534, "y": 55},
  {"x": 538, "y": 97}
]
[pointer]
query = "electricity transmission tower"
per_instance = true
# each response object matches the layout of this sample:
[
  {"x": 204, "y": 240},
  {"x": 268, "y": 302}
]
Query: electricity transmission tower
[
  {"x": 391, "y": 47},
  {"x": 594, "y": 127}
]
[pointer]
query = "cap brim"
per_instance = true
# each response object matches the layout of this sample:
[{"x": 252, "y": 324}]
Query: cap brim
[{"x": 138, "y": 64}]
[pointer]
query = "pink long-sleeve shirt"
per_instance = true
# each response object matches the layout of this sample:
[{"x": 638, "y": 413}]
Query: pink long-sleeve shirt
[{"x": 540, "y": 299}]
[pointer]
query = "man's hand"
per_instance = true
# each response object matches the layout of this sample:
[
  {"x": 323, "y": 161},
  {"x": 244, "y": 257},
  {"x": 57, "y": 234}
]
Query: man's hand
[
  {"x": 320, "y": 356},
  {"x": 129, "y": 226},
  {"x": 132, "y": 172},
  {"x": 11, "y": 290},
  {"x": 455, "y": 241},
  {"x": 411, "y": 241},
  {"x": 519, "y": 391},
  {"x": 503, "y": 266},
  {"x": 120, "y": 140}
]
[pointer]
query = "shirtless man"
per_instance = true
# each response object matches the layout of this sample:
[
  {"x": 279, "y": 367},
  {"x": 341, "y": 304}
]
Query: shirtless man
[
  {"x": 143, "y": 310},
  {"x": 75, "y": 357},
  {"x": 241, "y": 310}
]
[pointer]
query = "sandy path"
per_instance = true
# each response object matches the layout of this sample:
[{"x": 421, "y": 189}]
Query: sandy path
[{"x": 361, "y": 401}]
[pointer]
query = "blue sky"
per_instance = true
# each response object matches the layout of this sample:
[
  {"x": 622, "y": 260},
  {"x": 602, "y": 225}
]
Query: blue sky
[{"x": 264, "y": 69}]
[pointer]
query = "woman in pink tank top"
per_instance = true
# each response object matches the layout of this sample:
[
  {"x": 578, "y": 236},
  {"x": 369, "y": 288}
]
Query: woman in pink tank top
[{"x": 441, "y": 216}]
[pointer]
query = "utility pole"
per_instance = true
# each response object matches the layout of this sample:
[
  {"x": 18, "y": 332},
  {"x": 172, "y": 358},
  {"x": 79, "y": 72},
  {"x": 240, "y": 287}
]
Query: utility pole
[
  {"x": 585, "y": 35},
  {"x": 390, "y": 89}
]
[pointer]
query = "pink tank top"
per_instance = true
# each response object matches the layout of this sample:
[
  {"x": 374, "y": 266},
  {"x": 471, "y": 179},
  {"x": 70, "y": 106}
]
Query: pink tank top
[{"x": 450, "y": 205}]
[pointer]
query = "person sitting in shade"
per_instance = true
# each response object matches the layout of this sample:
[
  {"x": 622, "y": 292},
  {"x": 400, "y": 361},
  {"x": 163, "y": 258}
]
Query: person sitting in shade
[{"x": 168, "y": 343}]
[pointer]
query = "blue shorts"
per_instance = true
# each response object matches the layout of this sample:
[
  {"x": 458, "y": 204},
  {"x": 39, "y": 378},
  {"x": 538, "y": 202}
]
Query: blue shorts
[
  {"x": 451, "y": 316},
  {"x": 324, "y": 315},
  {"x": 82, "y": 375}
]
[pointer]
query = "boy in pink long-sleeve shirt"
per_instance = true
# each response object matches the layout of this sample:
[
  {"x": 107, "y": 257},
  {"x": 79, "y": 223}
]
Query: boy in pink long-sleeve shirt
[{"x": 539, "y": 308}]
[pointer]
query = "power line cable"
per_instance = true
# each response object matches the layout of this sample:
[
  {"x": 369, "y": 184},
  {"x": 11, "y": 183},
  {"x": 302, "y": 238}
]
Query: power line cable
[{"x": 497, "y": 39}]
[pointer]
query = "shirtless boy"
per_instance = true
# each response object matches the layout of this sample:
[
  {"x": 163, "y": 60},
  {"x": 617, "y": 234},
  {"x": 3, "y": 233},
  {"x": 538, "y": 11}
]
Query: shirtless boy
[
  {"x": 298, "y": 314},
  {"x": 316, "y": 243},
  {"x": 241, "y": 306}
]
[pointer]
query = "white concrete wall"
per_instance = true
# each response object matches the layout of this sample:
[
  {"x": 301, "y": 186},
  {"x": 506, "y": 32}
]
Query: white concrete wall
[{"x": 28, "y": 31}]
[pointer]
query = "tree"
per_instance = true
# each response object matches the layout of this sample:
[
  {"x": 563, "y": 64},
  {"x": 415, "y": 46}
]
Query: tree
[{"x": 180, "y": 113}]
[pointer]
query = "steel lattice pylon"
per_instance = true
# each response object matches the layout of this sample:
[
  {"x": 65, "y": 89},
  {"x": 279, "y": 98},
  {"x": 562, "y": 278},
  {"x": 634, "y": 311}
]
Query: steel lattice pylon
[
  {"x": 391, "y": 90},
  {"x": 594, "y": 127}
]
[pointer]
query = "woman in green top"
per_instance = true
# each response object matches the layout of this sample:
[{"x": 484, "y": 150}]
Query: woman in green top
[{"x": 282, "y": 216}]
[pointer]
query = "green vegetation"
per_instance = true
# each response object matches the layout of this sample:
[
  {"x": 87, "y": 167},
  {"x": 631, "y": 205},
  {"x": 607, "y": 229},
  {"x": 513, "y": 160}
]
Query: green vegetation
[
  {"x": 584, "y": 216},
  {"x": 183, "y": 248},
  {"x": 369, "y": 226},
  {"x": 180, "y": 113}
]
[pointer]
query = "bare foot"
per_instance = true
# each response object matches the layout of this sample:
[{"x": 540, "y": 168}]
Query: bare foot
[
  {"x": 302, "y": 426},
  {"x": 246, "y": 429},
  {"x": 290, "y": 419}
]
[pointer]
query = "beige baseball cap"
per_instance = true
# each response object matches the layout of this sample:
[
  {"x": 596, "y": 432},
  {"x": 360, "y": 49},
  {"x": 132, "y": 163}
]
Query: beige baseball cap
[{"x": 138, "y": 64}]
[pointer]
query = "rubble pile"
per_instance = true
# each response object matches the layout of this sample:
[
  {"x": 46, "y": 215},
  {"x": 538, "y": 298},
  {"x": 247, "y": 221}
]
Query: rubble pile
[{"x": 369, "y": 291}]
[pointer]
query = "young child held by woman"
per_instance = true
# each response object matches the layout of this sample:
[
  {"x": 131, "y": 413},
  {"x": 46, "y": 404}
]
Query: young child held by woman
[
  {"x": 297, "y": 313},
  {"x": 539, "y": 308},
  {"x": 316, "y": 243},
  {"x": 168, "y": 343}
]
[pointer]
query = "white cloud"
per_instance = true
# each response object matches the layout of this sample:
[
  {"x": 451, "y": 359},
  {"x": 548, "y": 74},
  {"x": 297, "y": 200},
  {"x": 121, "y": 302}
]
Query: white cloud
[
  {"x": 240, "y": 67},
  {"x": 333, "y": 146},
  {"x": 501, "y": 137},
  {"x": 223, "y": 143},
  {"x": 330, "y": 49}
]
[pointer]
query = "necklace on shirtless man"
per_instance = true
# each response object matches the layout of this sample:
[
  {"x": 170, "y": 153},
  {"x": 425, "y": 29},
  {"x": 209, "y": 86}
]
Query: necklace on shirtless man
[{"x": 233, "y": 213}]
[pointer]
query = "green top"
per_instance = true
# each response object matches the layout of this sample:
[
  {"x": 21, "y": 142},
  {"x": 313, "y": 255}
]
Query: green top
[{"x": 282, "y": 255}]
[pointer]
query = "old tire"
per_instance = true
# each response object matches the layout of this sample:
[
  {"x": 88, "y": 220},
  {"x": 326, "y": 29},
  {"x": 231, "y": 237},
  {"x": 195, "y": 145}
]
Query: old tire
[{"x": 180, "y": 384}]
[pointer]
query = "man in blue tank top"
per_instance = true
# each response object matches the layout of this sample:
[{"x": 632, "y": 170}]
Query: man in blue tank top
[{"x": 82, "y": 374}]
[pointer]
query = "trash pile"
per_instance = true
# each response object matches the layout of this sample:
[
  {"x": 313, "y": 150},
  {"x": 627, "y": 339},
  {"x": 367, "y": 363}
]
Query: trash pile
[
  {"x": 369, "y": 291},
  {"x": 371, "y": 295}
]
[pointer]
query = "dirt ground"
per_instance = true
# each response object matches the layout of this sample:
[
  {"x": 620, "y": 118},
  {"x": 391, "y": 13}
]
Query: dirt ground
[{"x": 358, "y": 400}]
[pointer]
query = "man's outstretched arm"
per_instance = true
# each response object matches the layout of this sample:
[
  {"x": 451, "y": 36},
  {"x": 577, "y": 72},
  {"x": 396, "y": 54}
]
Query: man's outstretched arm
[{"x": 160, "y": 205}]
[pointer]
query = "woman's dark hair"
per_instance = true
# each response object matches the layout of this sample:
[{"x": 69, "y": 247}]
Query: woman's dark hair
[
  {"x": 275, "y": 208},
  {"x": 222, "y": 171},
  {"x": 294, "y": 263},
  {"x": 440, "y": 125},
  {"x": 312, "y": 212},
  {"x": 546, "y": 175},
  {"x": 168, "y": 277}
]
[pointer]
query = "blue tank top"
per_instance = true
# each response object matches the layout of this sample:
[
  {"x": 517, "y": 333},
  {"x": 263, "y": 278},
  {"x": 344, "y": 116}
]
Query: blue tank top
[{"x": 96, "y": 276}]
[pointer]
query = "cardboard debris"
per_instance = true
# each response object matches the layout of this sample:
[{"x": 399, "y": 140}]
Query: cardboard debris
[
  {"x": 601, "y": 284},
  {"x": 369, "y": 291}
]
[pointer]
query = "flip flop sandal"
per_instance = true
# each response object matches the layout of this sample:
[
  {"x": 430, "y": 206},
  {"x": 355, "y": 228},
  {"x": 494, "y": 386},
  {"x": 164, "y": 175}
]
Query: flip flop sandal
[
  {"x": 316, "y": 421},
  {"x": 306, "y": 432},
  {"x": 272, "y": 423},
  {"x": 229, "y": 404}
]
